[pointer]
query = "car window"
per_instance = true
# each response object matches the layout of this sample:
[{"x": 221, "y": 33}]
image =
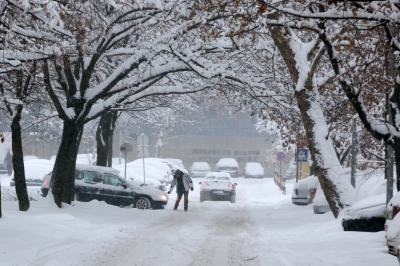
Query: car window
[
  {"x": 92, "y": 177},
  {"x": 211, "y": 177},
  {"x": 223, "y": 178},
  {"x": 112, "y": 180},
  {"x": 78, "y": 175}
]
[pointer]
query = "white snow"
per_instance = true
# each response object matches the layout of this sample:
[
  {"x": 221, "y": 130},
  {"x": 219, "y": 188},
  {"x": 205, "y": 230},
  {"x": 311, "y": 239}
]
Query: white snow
[
  {"x": 262, "y": 228},
  {"x": 227, "y": 162},
  {"x": 200, "y": 166},
  {"x": 254, "y": 169}
]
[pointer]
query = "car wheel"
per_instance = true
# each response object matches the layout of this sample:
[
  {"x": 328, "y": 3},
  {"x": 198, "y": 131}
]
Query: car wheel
[
  {"x": 76, "y": 196},
  {"x": 143, "y": 203},
  {"x": 233, "y": 199}
]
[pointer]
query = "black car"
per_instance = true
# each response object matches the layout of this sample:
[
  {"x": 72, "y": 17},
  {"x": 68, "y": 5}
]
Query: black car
[
  {"x": 104, "y": 184},
  {"x": 218, "y": 186}
]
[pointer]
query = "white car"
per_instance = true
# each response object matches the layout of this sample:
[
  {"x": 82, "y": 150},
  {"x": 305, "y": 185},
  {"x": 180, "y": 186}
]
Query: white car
[
  {"x": 199, "y": 169},
  {"x": 177, "y": 162},
  {"x": 253, "y": 170},
  {"x": 304, "y": 191},
  {"x": 392, "y": 226},
  {"x": 228, "y": 165},
  {"x": 320, "y": 204},
  {"x": 367, "y": 215},
  {"x": 218, "y": 186}
]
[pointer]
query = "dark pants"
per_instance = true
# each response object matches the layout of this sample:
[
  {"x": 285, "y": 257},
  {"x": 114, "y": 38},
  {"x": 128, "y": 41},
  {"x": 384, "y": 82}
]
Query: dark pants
[
  {"x": 178, "y": 199},
  {"x": 10, "y": 170}
]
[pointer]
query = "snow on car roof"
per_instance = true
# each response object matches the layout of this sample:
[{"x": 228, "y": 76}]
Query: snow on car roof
[
  {"x": 218, "y": 174},
  {"x": 228, "y": 162},
  {"x": 370, "y": 201},
  {"x": 100, "y": 169},
  {"x": 201, "y": 165}
]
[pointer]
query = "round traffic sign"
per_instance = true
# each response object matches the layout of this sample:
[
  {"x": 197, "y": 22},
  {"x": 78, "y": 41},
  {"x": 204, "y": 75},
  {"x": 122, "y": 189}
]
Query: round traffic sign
[
  {"x": 126, "y": 147},
  {"x": 280, "y": 156}
]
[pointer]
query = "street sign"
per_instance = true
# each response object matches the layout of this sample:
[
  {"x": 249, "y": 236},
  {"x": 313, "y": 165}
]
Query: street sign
[
  {"x": 302, "y": 143},
  {"x": 126, "y": 147},
  {"x": 302, "y": 155},
  {"x": 142, "y": 139},
  {"x": 280, "y": 156},
  {"x": 141, "y": 150}
]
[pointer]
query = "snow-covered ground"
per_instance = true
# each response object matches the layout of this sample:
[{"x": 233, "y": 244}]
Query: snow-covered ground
[{"x": 262, "y": 228}]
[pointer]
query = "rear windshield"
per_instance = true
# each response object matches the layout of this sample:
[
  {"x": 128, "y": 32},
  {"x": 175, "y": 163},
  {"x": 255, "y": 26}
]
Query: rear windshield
[{"x": 217, "y": 178}]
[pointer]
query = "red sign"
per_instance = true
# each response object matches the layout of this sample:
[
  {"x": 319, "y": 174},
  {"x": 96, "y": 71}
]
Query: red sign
[
  {"x": 280, "y": 156},
  {"x": 302, "y": 143},
  {"x": 123, "y": 148}
]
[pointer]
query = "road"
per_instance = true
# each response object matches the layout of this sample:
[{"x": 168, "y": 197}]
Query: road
[{"x": 262, "y": 228}]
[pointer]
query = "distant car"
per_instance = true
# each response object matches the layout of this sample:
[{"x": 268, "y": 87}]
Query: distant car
[
  {"x": 253, "y": 170},
  {"x": 177, "y": 162},
  {"x": 320, "y": 204},
  {"x": 34, "y": 170},
  {"x": 105, "y": 184},
  {"x": 218, "y": 186},
  {"x": 367, "y": 215},
  {"x": 29, "y": 182},
  {"x": 228, "y": 165},
  {"x": 304, "y": 191},
  {"x": 199, "y": 169},
  {"x": 392, "y": 226}
]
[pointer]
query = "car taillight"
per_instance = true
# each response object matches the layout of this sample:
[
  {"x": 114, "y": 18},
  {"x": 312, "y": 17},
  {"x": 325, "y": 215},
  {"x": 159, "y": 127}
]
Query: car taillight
[
  {"x": 230, "y": 185},
  {"x": 45, "y": 182},
  {"x": 313, "y": 190},
  {"x": 205, "y": 184}
]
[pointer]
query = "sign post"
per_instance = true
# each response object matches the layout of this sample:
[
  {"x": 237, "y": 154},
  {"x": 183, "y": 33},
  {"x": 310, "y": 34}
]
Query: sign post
[
  {"x": 143, "y": 151},
  {"x": 280, "y": 156},
  {"x": 302, "y": 156},
  {"x": 126, "y": 147}
]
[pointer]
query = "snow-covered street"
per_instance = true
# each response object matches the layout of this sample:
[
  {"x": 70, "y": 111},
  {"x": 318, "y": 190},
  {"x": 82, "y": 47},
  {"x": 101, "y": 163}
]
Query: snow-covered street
[{"x": 262, "y": 228}]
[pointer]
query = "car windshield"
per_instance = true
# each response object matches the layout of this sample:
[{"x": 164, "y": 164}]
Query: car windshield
[{"x": 220, "y": 178}]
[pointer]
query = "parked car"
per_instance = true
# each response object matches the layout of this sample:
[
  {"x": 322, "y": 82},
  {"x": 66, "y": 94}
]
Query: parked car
[
  {"x": 253, "y": 170},
  {"x": 29, "y": 182},
  {"x": 392, "y": 226},
  {"x": 199, "y": 169},
  {"x": 34, "y": 170},
  {"x": 228, "y": 165},
  {"x": 105, "y": 184},
  {"x": 291, "y": 171},
  {"x": 218, "y": 186},
  {"x": 320, "y": 204},
  {"x": 304, "y": 191},
  {"x": 367, "y": 215},
  {"x": 177, "y": 162}
]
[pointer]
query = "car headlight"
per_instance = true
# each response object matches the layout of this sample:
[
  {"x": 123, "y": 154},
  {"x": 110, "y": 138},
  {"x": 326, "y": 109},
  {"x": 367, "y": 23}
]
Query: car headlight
[{"x": 162, "y": 197}]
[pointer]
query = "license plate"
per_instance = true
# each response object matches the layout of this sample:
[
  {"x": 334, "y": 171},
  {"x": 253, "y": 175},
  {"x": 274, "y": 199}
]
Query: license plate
[{"x": 218, "y": 192}]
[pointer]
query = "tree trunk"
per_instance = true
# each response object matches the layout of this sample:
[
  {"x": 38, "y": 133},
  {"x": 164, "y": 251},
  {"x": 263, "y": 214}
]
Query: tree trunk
[
  {"x": 18, "y": 162},
  {"x": 326, "y": 164},
  {"x": 63, "y": 176},
  {"x": 104, "y": 138},
  {"x": 337, "y": 190},
  {"x": 396, "y": 148}
]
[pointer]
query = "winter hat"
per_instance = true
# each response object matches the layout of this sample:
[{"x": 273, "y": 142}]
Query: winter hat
[{"x": 178, "y": 172}]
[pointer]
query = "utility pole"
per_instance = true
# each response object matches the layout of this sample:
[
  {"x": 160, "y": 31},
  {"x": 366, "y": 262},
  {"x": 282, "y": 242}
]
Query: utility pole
[
  {"x": 354, "y": 154},
  {"x": 389, "y": 153}
]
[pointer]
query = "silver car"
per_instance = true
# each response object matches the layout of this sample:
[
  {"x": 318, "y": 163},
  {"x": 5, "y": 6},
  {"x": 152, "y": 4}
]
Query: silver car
[
  {"x": 304, "y": 191},
  {"x": 200, "y": 169}
]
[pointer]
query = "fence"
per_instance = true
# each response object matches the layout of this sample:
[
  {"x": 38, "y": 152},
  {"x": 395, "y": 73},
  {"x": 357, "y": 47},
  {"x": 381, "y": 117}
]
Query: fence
[{"x": 280, "y": 181}]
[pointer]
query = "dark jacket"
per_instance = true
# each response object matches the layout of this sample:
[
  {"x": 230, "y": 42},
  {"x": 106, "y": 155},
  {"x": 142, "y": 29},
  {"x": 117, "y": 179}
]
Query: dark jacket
[{"x": 8, "y": 160}]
